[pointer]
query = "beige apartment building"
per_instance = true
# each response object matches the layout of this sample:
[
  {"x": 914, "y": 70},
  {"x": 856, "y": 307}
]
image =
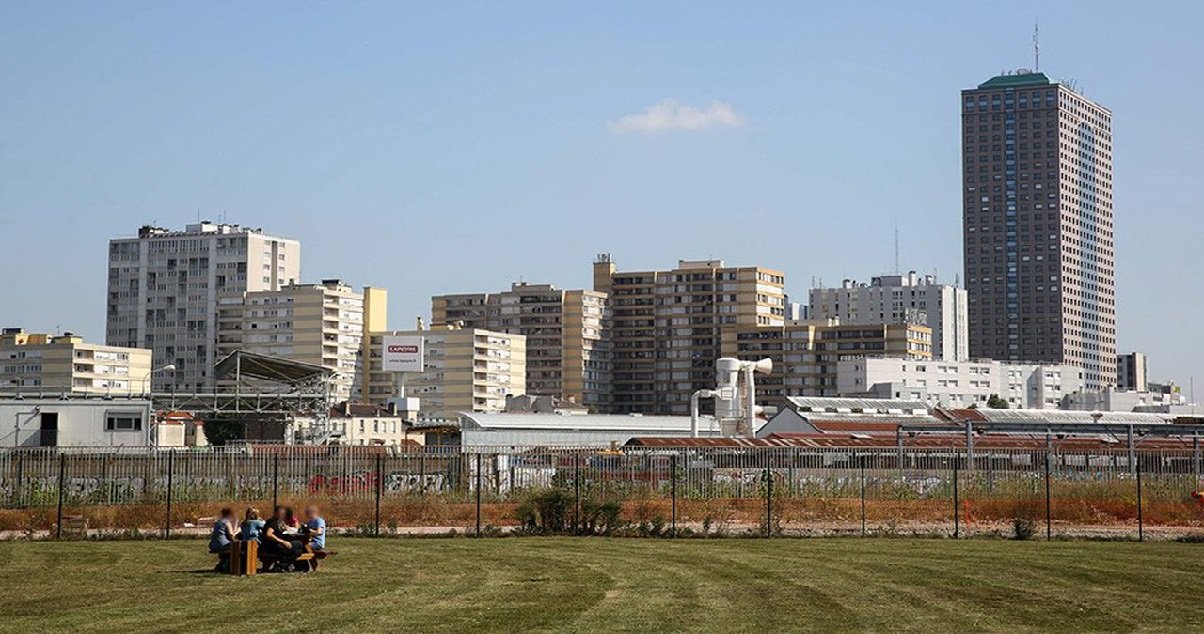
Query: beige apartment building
[
  {"x": 180, "y": 293},
  {"x": 805, "y": 354},
  {"x": 33, "y": 363},
  {"x": 666, "y": 326},
  {"x": 568, "y": 347},
  {"x": 322, "y": 324},
  {"x": 465, "y": 370}
]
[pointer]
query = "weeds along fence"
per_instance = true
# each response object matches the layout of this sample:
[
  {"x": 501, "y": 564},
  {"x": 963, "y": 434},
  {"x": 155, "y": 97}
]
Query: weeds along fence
[{"x": 653, "y": 491}]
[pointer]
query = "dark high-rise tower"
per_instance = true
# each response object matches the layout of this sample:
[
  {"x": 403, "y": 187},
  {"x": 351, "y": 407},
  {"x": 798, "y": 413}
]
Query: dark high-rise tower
[{"x": 1037, "y": 225}]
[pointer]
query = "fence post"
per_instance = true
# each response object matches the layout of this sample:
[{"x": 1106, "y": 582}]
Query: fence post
[
  {"x": 1195, "y": 453},
  {"x": 768, "y": 503},
  {"x": 171, "y": 467},
  {"x": 20, "y": 478},
  {"x": 58, "y": 527},
  {"x": 861, "y": 465},
  {"x": 673, "y": 491},
  {"x": 1140, "y": 519},
  {"x": 478, "y": 494},
  {"x": 380, "y": 483},
  {"x": 276, "y": 480},
  {"x": 1048, "y": 507},
  {"x": 956, "y": 513},
  {"x": 577, "y": 494}
]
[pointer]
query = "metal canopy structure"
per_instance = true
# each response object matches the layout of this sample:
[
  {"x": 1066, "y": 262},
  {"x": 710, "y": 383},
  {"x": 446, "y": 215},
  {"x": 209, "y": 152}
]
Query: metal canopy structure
[
  {"x": 259, "y": 384},
  {"x": 243, "y": 364}
]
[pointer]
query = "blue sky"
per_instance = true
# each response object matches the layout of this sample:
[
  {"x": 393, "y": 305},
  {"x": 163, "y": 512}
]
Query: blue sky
[{"x": 448, "y": 147}]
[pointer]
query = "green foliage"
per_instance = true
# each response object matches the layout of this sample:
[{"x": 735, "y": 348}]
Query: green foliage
[
  {"x": 995, "y": 402},
  {"x": 601, "y": 517},
  {"x": 546, "y": 512},
  {"x": 220, "y": 432},
  {"x": 1023, "y": 528},
  {"x": 554, "y": 511}
]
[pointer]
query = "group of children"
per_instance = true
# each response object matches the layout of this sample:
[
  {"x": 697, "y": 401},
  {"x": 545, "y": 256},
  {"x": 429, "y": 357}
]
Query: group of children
[{"x": 281, "y": 537}]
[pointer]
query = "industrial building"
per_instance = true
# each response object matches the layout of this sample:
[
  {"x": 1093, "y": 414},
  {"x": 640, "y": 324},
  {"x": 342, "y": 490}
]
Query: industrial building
[
  {"x": 844, "y": 416},
  {"x": 581, "y": 430}
]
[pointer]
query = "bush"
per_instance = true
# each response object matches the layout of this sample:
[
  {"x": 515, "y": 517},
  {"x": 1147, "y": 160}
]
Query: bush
[
  {"x": 601, "y": 518},
  {"x": 1023, "y": 528},
  {"x": 553, "y": 511},
  {"x": 546, "y": 512}
]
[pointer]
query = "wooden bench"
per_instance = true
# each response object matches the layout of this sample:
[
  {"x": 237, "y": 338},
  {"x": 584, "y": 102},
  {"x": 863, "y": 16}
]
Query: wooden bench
[
  {"x": 244, "y": 558},
  {"x": 309, "y": 556}
]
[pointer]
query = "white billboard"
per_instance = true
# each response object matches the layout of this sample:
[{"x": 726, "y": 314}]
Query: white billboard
[{"x": 402, "y": 354}]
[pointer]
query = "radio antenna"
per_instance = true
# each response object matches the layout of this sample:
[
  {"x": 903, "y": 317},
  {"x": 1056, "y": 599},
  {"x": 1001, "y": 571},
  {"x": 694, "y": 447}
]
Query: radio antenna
[
  {"x": 896, "y": 248},
  {"x": 1036, "y": 45}
]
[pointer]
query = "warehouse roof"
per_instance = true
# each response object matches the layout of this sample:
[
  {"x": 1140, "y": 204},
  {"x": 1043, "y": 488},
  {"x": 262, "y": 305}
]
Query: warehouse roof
[
  {"x": 861, "y": 406},
  {"x": 580, "y": 422},
  {"x": 1055, "y": 416}
]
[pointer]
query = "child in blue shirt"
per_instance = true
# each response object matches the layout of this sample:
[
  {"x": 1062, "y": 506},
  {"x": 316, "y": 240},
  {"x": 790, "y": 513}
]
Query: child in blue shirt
[{"x": 251, "y": 526}]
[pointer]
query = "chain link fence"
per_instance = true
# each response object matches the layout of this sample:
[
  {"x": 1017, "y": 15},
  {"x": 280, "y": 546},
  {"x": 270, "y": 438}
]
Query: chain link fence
[{"x": 666, "y": 491}]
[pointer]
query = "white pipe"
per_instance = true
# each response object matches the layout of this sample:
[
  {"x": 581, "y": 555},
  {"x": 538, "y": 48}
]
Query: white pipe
[
  {"x": 751, "y": 400},
  {"x": 694, "y": 398}
]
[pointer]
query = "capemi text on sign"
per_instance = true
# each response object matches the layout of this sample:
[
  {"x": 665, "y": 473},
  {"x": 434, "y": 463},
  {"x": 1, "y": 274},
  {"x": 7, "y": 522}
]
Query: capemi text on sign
[{"x": 402, "y": 354}]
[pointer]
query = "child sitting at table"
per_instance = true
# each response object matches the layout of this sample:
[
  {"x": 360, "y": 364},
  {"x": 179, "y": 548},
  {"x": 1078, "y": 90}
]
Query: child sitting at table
[
  {"x": 251, "y": 526},
  {"x": 315, "y": 528},
  {"x": 221, "y": 539}
]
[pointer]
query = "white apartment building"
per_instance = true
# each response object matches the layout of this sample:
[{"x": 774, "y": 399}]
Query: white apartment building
[
  {"x": 322, "y": 324},
  {"x": 168, "y": 290},
  {"x": 901, "y": 299},
  {"x": 956, "y": 384},
  {"x": 351, "y": 424},
  {"x": 1118, "y": 400}
]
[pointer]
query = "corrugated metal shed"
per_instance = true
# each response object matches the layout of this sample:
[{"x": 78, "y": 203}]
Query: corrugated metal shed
[{"x": 580, "y": 430}]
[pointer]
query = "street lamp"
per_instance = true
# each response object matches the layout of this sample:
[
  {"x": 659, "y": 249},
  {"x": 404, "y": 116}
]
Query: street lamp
[{"x": 170, "y": 367}]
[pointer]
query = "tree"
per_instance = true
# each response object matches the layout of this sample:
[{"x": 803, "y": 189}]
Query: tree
[{"x": 996, "y": 403}]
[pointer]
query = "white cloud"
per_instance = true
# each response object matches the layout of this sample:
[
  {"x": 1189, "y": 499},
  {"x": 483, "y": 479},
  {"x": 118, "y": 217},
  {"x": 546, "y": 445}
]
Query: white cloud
[{"x": 668, "y": 114}]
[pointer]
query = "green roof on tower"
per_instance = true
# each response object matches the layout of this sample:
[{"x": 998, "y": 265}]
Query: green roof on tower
[{"x": 1020, "y": 78}]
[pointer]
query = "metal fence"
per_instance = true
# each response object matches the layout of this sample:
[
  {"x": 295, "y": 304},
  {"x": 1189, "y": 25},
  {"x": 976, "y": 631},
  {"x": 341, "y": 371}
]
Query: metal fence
[{"x": 661, "y": 491}]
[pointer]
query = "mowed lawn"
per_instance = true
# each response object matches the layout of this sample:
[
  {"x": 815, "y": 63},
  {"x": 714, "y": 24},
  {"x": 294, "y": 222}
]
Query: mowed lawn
[{"x": 598, "y": 584}]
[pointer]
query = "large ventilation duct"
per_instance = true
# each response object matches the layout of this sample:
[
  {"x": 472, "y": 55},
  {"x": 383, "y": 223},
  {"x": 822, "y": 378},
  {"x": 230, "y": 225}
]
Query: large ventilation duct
[{"x": 735, "y": 412}]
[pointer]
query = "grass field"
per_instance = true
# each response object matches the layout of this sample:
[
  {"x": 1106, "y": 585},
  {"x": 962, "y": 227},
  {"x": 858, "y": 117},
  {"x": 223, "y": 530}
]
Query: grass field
[{"x": 567, "y": 584}]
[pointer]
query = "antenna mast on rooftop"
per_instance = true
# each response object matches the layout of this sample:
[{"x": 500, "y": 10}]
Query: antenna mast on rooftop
[
  {"x": 1036, "y": 45},
  {"x": 896, "y": 248}
]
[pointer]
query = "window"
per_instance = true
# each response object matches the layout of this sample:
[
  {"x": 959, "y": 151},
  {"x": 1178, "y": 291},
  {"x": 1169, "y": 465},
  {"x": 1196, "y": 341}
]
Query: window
[{"x": 123, "y": 422}]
